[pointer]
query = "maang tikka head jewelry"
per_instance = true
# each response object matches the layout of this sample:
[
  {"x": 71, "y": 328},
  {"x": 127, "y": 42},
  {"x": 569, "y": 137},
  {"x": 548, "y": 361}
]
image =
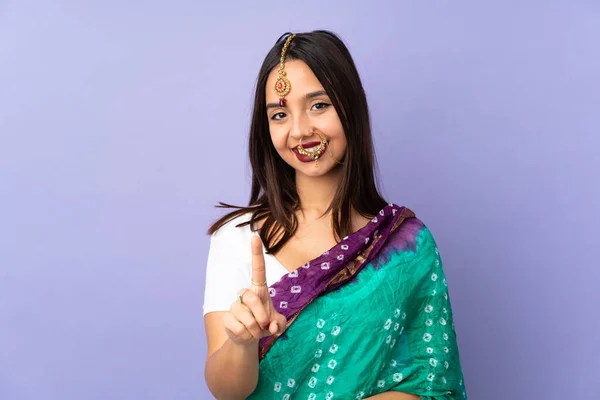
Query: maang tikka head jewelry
[{"x": 282, "y": 84}]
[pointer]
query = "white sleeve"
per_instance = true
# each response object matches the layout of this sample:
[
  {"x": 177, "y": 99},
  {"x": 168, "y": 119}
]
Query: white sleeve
[{"x": 228, "y": 267}]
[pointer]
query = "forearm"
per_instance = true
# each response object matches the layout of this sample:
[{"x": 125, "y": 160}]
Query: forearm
[
  {"x": 393, "y": 396},
  {"x": 232, "y": 371}
]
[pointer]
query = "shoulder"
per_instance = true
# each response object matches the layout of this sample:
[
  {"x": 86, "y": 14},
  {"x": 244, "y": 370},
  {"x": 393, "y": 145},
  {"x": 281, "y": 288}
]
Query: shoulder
[
  {"x": 413, "y": 236},
  {"x": 233, "y": 232},
  {"x": 411, "y": 252},
  {"x": 229, "y": 245},
  {"x": 232, "y": 226}
]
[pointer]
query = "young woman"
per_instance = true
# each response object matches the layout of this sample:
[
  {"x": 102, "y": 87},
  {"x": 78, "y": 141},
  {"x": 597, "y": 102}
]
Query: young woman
[{"x": 320, "y": 289}]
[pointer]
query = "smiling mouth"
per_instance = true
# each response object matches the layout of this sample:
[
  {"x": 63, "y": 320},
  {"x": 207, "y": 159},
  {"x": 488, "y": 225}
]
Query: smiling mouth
[
  {"x": 311, "y": 151},
  {"x": 310, "y": 147}
]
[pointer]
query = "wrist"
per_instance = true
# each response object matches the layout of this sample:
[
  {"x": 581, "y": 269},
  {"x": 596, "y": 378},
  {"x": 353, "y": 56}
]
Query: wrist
[{"x": 245, "y": 346}]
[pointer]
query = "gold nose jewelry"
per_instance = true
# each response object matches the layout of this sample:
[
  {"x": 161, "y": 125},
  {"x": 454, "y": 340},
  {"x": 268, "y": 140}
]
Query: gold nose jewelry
[{"x": 316, "y": 152}]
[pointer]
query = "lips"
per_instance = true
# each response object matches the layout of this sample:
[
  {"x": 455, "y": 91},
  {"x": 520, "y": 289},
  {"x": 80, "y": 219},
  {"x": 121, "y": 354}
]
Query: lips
[
  {"x": 307, "y": 145},
  {"x": 306, "y": 159}
]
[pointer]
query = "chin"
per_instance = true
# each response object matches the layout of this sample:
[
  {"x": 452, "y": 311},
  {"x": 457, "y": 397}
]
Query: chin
[{"x": 310, "y": 170}]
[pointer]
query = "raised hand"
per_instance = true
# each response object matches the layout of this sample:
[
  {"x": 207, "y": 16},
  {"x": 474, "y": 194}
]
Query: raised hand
[{"x": 253, "y": 315}]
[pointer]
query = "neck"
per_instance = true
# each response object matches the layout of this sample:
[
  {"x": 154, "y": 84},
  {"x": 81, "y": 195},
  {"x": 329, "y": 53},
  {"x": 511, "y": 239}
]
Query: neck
[{"x": 316, "y": 192}]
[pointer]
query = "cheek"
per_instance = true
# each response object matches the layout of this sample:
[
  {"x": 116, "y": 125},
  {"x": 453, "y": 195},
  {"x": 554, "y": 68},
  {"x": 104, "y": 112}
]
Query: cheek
[
  {"x": 278, "y": 139},
  {"x": 335, "y": 126},
  {"x": 342, "y": 147}
]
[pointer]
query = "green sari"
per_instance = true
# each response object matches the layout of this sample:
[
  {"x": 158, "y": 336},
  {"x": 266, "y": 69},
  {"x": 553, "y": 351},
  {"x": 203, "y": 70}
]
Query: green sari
[{"x": 379, "y": 320}]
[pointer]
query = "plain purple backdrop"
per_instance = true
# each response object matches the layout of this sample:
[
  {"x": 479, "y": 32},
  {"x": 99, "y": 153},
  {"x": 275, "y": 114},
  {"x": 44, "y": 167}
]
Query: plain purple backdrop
[{"x": 123, "y": 123}]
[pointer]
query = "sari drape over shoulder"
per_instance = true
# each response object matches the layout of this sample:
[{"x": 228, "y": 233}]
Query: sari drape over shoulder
[{"x": 370, "y": 315}]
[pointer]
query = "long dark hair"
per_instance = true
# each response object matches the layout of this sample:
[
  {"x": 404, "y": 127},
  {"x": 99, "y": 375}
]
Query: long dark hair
[{"x": 273, "y": 197}]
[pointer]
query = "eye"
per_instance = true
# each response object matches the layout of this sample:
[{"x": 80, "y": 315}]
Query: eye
[
  {"x": 278, "y": 116},
  {"x": 320, "y": 105}
]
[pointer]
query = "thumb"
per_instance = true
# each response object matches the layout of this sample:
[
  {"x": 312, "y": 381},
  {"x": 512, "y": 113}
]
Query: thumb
[{"x": 278, "y": 324}]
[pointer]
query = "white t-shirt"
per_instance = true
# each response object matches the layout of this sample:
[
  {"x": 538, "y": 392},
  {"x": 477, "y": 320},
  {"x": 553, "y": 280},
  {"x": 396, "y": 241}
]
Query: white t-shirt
[{"x": 229, "y": 265}]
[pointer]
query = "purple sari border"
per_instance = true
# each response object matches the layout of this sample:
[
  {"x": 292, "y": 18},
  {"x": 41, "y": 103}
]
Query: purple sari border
[{"x": 297, "y": 289}]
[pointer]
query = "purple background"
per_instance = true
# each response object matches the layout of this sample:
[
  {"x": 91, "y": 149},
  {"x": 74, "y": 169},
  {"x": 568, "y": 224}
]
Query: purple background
[{"x": 123, "y": 122}]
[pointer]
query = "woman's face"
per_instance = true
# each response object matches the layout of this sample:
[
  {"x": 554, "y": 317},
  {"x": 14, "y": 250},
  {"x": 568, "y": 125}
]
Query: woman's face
[{"x": 308, "y": 113}]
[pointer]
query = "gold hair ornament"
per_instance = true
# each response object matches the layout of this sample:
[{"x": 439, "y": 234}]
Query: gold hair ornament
[{"x": 282, "y": 84}]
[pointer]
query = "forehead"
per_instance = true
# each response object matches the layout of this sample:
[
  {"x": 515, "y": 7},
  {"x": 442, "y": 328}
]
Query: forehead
[{"x": 301, "y": 77}]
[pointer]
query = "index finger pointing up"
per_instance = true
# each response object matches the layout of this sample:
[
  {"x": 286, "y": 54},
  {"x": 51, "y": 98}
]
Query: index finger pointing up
[{"x": 259, "y": 275}]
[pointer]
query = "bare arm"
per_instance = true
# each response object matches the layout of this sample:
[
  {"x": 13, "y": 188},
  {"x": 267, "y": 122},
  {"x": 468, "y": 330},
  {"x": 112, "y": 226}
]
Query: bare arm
[
  {"x": 227, "y": 359},
  {"x": 231, "y": 371}
]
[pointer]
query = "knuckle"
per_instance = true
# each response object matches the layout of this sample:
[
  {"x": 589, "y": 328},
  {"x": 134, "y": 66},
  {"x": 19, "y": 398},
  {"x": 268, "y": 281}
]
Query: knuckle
[
  {"x": 250, "y": 296},
  {"x": 253, "y": 303},
  {"x": 253, "y": 325},
  {"x": 235, "y": 309},
  {"x": 238, "y": 331}
]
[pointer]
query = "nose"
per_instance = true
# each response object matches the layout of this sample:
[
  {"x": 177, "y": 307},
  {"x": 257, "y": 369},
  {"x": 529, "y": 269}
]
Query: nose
[{"x": 300, "y": 127}]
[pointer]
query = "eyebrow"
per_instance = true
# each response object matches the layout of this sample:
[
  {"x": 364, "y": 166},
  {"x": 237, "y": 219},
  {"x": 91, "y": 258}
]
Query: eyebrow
[{"x": 308, "y": 96}]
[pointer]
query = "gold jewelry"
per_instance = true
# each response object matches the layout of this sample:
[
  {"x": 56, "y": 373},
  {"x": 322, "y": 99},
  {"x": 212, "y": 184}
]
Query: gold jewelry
[
  {"x": 334, "y": 159},
  {"x": 317, "y": 152},
  {"x": 314, "y": 154},
  {"x": 256, "y": 284},
  {"x": 240, "y": 295},
  {"x": 282, "y": 84}
]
